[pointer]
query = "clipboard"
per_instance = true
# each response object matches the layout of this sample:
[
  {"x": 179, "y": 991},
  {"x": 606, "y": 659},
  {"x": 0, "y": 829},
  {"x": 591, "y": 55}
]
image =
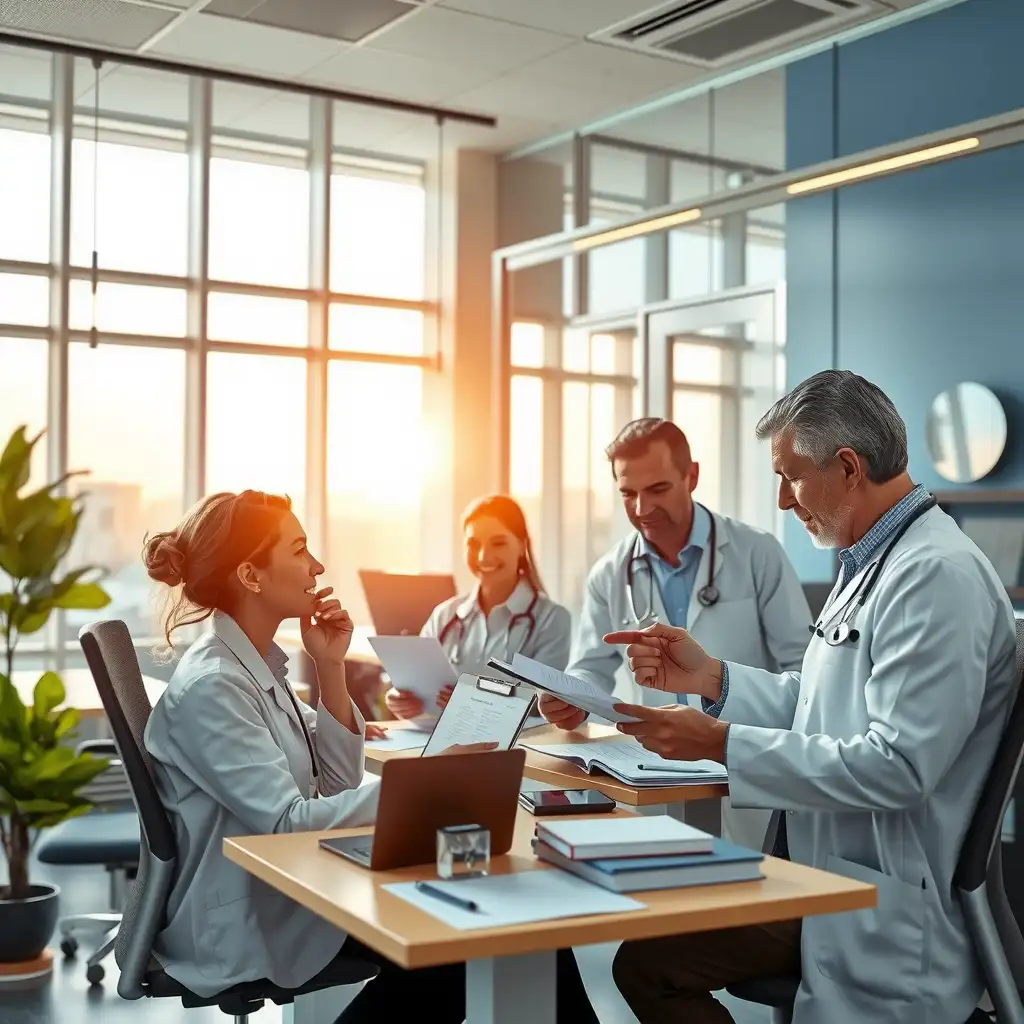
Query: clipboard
[{"x": 481, "y": 710}]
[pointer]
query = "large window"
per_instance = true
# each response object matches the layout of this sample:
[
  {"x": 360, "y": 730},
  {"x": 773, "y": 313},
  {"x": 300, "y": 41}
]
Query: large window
[
  {"x": 126, "y": 416},
  {"x": 256, "y": 425},
  {"x": 378, "y": 455},
  {"x": 308, "y": 378},
  {"x": 573, "y": 389},
  {"x": 25, "y": 194}
]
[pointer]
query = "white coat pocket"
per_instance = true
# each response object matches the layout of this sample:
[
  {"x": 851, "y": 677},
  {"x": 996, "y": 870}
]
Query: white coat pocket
[{"x": 879, "y": 950}]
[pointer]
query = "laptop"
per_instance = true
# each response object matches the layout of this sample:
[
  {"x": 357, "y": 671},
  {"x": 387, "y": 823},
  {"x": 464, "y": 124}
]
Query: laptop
[
  {"x": 400, "y": 603},
  {"x": 419, "y": 795}
]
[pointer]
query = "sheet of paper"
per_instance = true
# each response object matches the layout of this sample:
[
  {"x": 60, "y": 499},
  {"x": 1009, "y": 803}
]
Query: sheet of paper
[
  {"x": 416, "y": 664},
  {"x": 515, "y": 899},
  {"x": 477, "y": 716},
  {"x": 574, "y": 691},
  {"x": 398, "y": 739}
]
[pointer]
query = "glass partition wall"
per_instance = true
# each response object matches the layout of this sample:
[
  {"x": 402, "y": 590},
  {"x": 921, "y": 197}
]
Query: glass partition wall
[
  {"x": 261, "y": 282},
  {"x": 661, "y": 299}
]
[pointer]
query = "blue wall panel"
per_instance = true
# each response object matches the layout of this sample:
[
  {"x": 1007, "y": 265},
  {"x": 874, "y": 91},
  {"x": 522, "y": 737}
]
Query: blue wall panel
[{"x": 915, "y": 281}]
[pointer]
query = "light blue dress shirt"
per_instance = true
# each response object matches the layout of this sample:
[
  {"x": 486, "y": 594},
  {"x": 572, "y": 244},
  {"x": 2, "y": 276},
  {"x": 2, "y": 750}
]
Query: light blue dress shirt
[{"x": 676, "y": 582}]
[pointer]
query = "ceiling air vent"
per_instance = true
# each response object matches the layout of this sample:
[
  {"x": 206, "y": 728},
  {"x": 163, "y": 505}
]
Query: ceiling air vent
[{"x": 711, "y": 33}]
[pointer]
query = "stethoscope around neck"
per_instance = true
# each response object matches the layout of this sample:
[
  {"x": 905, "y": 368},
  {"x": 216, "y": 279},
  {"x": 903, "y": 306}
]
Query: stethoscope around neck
[
  {"x": 835, "y": 634},
  {"x": 708, "y": 595},
  {"x": 455, "y": 629}
]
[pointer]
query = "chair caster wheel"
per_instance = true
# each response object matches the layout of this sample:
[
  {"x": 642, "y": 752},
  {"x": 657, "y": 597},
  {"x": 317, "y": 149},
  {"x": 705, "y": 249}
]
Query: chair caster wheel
[
  {"x": 69, "y": 947},
  {"x": 94, "y": 974}
]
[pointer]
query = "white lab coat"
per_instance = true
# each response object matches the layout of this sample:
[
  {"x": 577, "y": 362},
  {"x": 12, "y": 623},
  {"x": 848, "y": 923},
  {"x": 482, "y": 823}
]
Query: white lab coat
[
  {"x": 877, "y": 751},
  {"x": 489, "y": 636},
  {"x": 230, "y": 759},
  {"x": 761, "y": 619}
]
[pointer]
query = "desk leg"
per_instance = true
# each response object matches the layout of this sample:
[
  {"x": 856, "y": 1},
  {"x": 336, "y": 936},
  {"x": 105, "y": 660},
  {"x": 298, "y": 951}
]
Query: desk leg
[
  {"x": 511, "y": 989},
  {"x": 323, "y": 1007},
  {"x": 703, "y": 814}
]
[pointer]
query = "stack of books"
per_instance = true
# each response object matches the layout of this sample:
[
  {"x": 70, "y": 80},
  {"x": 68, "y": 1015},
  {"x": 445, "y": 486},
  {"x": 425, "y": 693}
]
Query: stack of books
[{"x": 633, "y": 854}]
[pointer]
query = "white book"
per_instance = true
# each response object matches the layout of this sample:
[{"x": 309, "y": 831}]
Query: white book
[{"x": 593, "y": 838}]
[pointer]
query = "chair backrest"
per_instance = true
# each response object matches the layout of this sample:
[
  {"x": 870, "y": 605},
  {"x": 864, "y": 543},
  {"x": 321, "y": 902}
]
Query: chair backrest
[
  {"x": 981, "y": 853},
  {"x": 111, "y": 657}
]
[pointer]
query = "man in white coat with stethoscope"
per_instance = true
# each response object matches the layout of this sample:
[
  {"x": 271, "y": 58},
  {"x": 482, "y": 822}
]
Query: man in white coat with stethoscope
[
  {"x": 728, "y": 583},
  {"x": 876, "y": 750}
]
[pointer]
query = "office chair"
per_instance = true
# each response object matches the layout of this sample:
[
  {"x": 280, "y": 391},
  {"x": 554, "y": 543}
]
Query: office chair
[
  {"x": 977, "y": 881},
  {"x": 108, "y": 839},
  {"x": 111, "y": 657}
]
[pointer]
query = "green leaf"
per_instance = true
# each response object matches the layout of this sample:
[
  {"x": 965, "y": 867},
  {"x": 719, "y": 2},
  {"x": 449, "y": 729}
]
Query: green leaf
[
  {"x": 41, "y": 806},
  {"x": 50, "y": 765},
  {"x": 29, "y": 619},
  {"x": 16, "y": 460},
  {"x": 12, "y": 711},
  {"x": 49, "y": 820},
  {"x": 87, "y": 596},
  {"x": 65, "y": 722},
  {"x": 48, "y": 694}
]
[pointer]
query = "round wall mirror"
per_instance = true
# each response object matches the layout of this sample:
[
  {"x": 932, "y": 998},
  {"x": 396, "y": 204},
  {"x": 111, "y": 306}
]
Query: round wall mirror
[{"x": 966, "y": 432}]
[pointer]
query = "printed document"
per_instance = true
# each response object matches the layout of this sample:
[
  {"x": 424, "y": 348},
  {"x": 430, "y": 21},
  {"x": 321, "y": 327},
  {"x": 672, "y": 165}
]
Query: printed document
[
  {"x": 515, "y": 899},
  {"x": 474, "y": 715}
]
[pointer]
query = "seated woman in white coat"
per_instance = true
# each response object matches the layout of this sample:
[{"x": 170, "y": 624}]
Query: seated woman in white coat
[
  {"x": 235, "y": 753},
  {"x": 507, "y": 612}
]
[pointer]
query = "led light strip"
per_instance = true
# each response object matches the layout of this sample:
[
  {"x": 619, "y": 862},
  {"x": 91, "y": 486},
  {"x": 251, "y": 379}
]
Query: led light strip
[{"x": 893, "y": 163}]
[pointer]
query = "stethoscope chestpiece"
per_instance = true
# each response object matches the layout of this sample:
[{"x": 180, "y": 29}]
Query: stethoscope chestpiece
[{"x": 708, "y": 595}]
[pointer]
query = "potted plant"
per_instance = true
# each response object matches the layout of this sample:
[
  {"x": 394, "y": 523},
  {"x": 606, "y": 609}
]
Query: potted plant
[{"x": 40, "y": 775}]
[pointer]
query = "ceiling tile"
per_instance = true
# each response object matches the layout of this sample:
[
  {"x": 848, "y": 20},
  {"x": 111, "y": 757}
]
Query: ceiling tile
[
  {"x": 571, "y": 17},
  {"x": 613, "y": 70},
  {"x": 349, "y": 21},
  {"x": 238, "y": 44},
  {"x": 468, "y": 40},
  {"x": 108, "y": 22},
  {"x": 518, "y": 95},
  {"x": 365, "y": 69}
]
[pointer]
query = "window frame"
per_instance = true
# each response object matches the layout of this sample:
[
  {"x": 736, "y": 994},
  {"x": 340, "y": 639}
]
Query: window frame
[{"x": 201, "y": 141}]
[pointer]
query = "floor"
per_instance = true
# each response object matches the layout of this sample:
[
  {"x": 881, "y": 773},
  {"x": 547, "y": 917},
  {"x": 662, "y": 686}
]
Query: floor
[{"x": 66, "y": 998}]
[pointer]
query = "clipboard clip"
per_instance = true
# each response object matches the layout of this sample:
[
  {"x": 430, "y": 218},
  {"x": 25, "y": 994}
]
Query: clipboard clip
[{"x": 498, "y": 686}]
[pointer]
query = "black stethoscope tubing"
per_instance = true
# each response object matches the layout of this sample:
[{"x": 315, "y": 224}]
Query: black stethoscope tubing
[
  {"x": 708, "y": 595},
  {"x": 843, "y": 631}
]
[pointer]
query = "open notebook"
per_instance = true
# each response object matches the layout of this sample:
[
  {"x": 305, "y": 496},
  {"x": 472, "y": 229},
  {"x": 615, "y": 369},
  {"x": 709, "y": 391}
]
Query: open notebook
[{"x": 627, "y": 761}]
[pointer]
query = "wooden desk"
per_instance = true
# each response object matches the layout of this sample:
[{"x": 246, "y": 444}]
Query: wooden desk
[
  {"x": 82, "y": 693},
  {"x": 553, "y": 770},
  {"x": 510, "y": 970}
]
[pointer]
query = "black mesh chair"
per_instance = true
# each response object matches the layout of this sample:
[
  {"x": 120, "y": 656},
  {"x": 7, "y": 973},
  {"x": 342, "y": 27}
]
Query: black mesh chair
[
  {"x": 977, "y": 881},
  {"x": 111, "y": 657}
]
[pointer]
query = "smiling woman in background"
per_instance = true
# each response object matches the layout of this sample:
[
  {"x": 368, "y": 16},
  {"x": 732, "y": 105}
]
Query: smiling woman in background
[{"x": 507, "y": 612}]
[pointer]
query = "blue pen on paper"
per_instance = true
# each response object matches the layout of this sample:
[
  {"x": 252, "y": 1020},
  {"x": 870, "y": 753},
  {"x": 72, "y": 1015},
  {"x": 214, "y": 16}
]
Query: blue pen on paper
[
  {"x": 669, "y": 769},
  {"x": 455, "y": 901}
]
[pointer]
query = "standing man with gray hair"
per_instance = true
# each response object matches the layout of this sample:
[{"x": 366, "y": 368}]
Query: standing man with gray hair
[{"x": 876, "y": 750}]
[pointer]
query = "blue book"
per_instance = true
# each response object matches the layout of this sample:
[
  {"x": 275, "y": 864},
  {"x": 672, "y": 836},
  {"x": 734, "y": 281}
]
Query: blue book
[{"x": 725, "y": 864}]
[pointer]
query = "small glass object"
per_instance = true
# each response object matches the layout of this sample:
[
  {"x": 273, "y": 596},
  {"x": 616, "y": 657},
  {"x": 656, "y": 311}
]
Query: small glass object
[{"x": 463, "y": 851}]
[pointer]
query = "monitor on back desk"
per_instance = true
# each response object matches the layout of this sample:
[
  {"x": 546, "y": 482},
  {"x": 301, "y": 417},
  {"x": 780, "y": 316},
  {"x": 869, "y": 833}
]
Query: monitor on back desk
[{"x": 400, "y": 603}]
